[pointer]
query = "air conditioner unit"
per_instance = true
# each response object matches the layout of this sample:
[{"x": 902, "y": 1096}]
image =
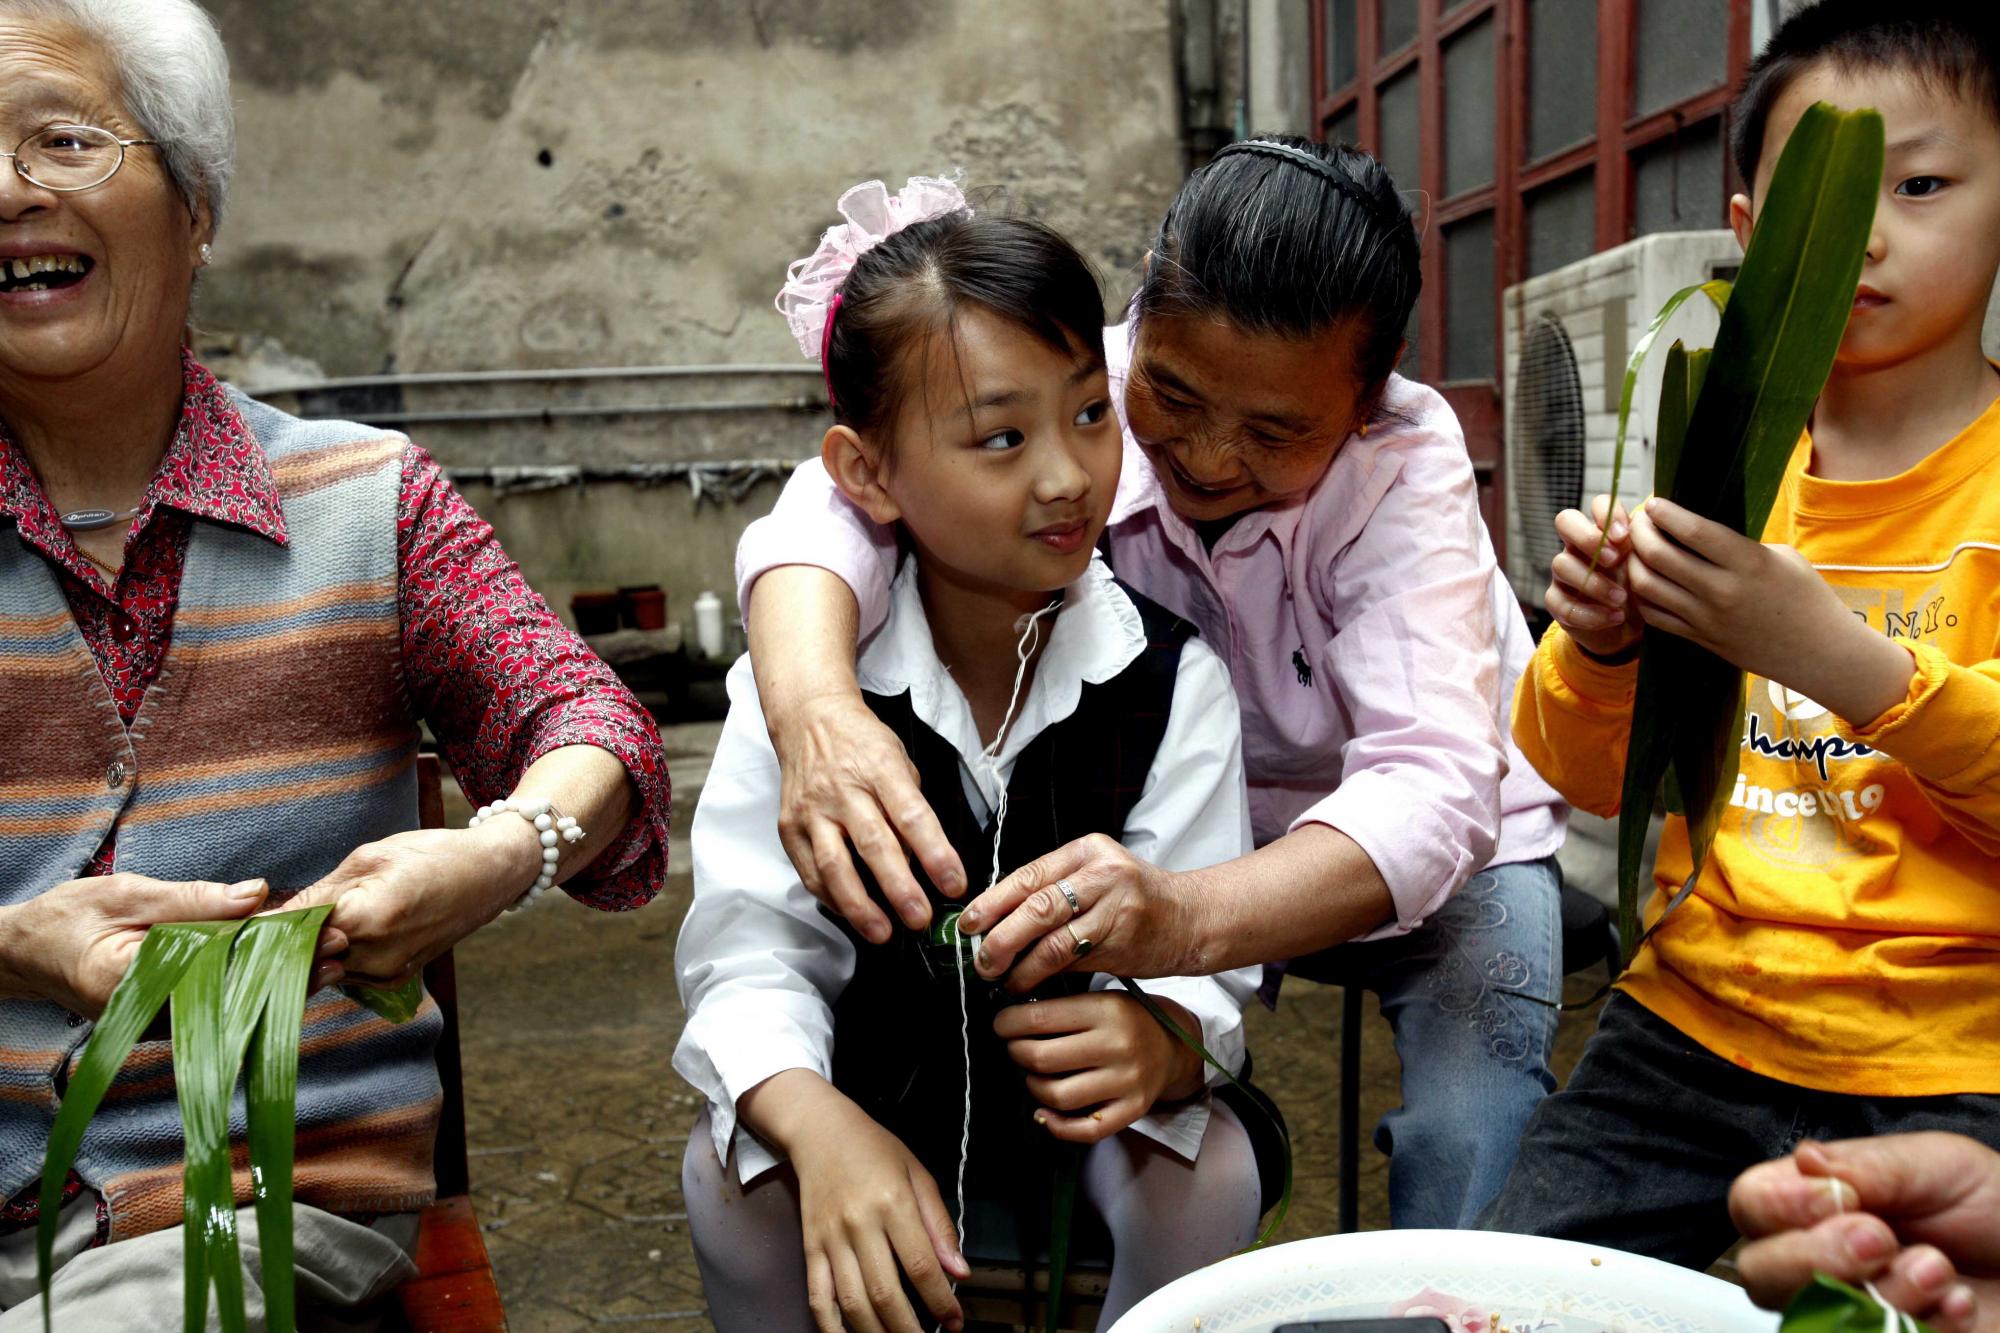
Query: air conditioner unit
[{"x": 1568, "y": 334}]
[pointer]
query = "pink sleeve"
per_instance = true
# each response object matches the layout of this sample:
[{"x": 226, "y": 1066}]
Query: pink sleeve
[
  {"x": 814, "y": 524},
  {"x": 1415, "y": 665}
]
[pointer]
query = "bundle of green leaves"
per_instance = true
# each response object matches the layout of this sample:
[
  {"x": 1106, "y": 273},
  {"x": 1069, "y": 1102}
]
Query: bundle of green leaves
[
  {"x": 238, "y": 991},
  {"x": 1729, "y": 421}
]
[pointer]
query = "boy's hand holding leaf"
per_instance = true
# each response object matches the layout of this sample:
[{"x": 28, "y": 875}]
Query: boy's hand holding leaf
[
  {"x": 1588, "y": 594},
  {"x": 1762, "y": 608}
]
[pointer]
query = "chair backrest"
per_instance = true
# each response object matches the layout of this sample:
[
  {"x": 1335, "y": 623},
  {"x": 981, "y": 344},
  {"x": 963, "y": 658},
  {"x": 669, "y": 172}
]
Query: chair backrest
[{"x": 454, "y": 1174}]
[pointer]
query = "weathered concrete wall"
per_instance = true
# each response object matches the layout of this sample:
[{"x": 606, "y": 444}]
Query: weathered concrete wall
[
  {"x": 489, "y": 184},
  {"x": 493, "y": 183}
]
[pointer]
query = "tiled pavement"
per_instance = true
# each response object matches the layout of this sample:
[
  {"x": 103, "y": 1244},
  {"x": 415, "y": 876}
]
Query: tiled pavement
[{"x": 576, "y": 1120}]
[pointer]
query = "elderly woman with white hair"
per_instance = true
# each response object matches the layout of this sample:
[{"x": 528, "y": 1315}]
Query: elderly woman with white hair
[{"x": 220, "y": 627}]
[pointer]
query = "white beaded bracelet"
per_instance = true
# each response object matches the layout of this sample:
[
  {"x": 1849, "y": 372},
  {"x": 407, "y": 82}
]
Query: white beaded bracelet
[{"x": 551, "y": 826}]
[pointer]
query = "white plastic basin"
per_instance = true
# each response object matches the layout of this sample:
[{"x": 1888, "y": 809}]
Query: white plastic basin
[{"x": 1533, "y": 1285}]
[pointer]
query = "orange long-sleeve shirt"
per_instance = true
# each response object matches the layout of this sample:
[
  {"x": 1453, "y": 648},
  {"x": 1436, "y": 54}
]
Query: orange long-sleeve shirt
[{"x": 1845, "y": 934}]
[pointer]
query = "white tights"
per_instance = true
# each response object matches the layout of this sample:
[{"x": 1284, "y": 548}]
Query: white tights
[{"x": 1166, "y": 1218}]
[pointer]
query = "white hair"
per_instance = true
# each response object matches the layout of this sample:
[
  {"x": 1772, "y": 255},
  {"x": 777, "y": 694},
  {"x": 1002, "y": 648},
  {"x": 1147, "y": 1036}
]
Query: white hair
[{"x": 174, "y": 75}]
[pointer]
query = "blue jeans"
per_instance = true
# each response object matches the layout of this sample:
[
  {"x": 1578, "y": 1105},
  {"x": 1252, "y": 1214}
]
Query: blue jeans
[{"x": 1474, "y": 1047}]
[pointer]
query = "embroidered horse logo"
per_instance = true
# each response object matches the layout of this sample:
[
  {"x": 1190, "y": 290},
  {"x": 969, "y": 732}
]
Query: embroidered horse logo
[{"x": 1303, "y": 667}]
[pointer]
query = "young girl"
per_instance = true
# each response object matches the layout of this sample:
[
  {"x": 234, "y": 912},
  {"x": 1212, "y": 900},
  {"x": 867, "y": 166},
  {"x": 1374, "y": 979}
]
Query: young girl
[
  {"x": 1039, "y": 701},
  {"x": 1315, "y": 514}
]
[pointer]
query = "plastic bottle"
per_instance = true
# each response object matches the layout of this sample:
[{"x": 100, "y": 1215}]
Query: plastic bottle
[{"x": 708, "y": 624}]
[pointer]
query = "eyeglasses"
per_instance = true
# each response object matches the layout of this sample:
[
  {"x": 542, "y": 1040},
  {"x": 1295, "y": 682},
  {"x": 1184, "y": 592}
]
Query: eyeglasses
[{"x": 68, "y": 158}]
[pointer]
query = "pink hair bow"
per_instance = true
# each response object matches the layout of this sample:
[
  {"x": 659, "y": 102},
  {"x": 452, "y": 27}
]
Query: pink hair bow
[{"x": 812, "y": 285}]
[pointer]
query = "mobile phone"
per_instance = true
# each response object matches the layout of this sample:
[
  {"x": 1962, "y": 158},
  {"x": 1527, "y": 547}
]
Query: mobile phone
[{"x": 1424, "y": 1324}]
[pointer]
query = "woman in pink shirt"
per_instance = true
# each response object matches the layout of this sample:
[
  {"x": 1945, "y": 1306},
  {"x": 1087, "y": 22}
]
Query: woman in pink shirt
[{"x": 1315, "y": 515}]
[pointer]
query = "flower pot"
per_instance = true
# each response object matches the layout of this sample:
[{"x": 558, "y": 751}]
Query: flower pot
[{"x": 646, "y": 608}]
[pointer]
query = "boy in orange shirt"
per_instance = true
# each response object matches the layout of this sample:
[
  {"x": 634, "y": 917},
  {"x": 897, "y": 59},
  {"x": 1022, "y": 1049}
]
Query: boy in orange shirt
[{"x": 1837, "y": 970}]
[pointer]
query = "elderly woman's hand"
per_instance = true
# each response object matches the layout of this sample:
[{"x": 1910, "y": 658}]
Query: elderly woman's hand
[
  {"x": 1137, "y": 918},
  {"x": 74, "y": 943},
  {"x": 401, "y": 902},
  {"x": 849, "y": 788}
]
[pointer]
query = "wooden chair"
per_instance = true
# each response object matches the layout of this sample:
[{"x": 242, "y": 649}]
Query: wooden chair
[{"x": 453, "y": 1291}]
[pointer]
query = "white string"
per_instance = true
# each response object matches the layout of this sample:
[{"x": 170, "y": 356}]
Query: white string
[
  {"x": 1023, "y": 650},
  {"x": 1893, "y": 1320}
]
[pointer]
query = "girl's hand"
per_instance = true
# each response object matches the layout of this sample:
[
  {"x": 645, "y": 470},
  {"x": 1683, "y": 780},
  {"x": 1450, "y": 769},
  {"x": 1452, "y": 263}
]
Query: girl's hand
[
  {"x": 1763, "y": 608},
  {"x": 1140, "y": 920},
  {"x": 401, "y": 902},
  {"x": 849, "y": 787},
  {"x": 1099, "y": 1061},
  {"x": 1912, "y": 1213},
  {"x": 1594, "y": 605},
  {"x": 73, "y": 943},
  {"x": 870, "y": 1211}
]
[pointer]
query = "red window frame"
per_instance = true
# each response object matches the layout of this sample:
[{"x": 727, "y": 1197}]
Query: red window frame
[{"x": 1618, "y": 135}]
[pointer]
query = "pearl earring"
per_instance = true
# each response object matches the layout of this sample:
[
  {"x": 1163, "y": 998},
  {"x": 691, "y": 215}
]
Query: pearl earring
[{"x": 205, "y": 252}]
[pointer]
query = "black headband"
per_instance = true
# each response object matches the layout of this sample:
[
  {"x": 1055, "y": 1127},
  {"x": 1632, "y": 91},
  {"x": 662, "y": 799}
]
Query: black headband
[{"x": 1333, "y": 175}]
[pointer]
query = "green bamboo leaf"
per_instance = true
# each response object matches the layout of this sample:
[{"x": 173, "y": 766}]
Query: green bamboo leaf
[
  {"x": 162, "y": 957},
  {"x": 1193, "y": 1043},
  {"x": 1711, "y": 771},
  {"x": 397, "y": 1004},
  {"x": 1646, "y": 759},
  {"x": 273, "y": 1081},
  {"x": 1781, "y": 329},
  {"x": 1717, "y": 291},
  {"x": 1828, "y": 1305},
  {"x": 1681, "y": 379},
  {"x": 203, "y": 1081},
  {"x": 1062, "y": 1214}
]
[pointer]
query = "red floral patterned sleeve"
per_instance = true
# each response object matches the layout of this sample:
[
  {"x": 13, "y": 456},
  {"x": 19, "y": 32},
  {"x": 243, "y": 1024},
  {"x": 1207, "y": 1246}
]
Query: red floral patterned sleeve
[{"x": 502, "y": 681}]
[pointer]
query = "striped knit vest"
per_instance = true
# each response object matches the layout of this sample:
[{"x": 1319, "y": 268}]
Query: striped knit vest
[{"x": 276, "y": 739}]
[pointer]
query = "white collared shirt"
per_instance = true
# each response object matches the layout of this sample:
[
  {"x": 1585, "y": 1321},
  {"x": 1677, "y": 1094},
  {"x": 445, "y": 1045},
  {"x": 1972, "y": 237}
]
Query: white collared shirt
[{"x": 760, "y": 967}]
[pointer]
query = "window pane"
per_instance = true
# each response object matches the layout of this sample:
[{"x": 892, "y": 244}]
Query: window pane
[
  {"x": 1562, "y": 222},
  {"x": 1398, "y": 19},
  {"x": 1562, "y": 74},
  {"x": 1468, "y": 295},
  {"x": 1680, "y": 49},
  {"x": 1396, "y": 110},
  {"x": 1345, "y": 127},
  {"x": 1677, "y": 182},
  {"x": 1470, "y": 109},
  {"x": 1342, "y": 54}
]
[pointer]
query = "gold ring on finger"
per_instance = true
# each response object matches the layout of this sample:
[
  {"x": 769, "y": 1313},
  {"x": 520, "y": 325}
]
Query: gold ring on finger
[{"x": 1082, "y": 945}]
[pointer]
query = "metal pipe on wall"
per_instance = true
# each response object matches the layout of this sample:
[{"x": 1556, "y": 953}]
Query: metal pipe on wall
[
  {"x": 446, "y": 377},
  {"x": 449, "y": 416}
]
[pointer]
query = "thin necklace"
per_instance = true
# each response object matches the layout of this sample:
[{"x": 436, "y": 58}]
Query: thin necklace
[
  {"x": 90, "y": 520},
  {"x": 104, "y": 565}
]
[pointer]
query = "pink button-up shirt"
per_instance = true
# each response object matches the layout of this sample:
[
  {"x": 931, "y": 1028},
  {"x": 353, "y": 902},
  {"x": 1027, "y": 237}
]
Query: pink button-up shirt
[{"x": 1373, "y": 642}]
